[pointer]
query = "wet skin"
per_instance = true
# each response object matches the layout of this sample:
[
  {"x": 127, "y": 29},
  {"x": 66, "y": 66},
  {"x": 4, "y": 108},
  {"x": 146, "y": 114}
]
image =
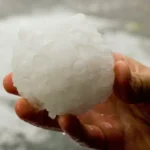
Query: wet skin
[{"x": 121, "y": 123}]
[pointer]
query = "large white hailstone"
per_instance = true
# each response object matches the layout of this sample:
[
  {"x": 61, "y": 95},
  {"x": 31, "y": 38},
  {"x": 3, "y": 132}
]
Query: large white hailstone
[{"x": 65, "y": 68}]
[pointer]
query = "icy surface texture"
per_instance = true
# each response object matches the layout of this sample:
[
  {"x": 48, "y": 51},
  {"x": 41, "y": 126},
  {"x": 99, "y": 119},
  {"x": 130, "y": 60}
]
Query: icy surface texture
[{"x": 65, "y": 67}]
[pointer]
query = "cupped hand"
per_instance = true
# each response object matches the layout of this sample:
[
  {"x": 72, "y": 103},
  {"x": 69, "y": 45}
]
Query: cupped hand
[{"x": 121, "y": 123}]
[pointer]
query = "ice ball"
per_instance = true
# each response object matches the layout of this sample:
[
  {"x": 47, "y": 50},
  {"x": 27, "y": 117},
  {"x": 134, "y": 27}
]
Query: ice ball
[{"x": 65, "y": 67}]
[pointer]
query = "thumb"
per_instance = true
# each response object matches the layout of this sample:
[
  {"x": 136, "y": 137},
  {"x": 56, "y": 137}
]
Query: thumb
[{"x": 132, "y": 87}]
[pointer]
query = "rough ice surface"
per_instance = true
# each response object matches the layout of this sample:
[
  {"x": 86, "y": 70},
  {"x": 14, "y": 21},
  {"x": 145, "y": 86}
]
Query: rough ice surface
[{"x": 65, "y": 67}]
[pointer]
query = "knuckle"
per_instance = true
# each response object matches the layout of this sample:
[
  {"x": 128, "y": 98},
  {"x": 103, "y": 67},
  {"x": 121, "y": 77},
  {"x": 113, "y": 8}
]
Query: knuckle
[{"x": 139, "y": 89}]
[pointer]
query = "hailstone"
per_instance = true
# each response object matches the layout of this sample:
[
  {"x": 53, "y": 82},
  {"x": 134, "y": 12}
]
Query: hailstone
[{"x": 65, "y": 67}]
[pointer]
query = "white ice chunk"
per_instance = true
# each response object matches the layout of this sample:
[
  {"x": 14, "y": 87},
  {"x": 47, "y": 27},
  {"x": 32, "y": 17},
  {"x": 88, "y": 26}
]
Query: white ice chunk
[{"x": 66, "y": 67}]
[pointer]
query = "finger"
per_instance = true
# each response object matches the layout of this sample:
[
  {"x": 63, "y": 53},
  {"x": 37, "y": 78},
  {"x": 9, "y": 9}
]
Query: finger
[
  {"x": 139, "y": 86},
  {"x": 130, "y": 86},
  {"x": 122, "y": 77},
  {"x": 88, "y": 135},
  {"x": 118, "y": 56},
  {"x": 34, "y": 116},
  {"x": 8, "y": 85}
]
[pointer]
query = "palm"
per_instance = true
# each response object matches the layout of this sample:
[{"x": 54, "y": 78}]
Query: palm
[
  {"x": 112, "y": 125},
  {"x": 124, "y": 126}
]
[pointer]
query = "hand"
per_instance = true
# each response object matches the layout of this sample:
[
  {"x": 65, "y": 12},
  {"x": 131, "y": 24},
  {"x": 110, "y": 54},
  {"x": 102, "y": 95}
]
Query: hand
[{"x": 121, "y": 123}]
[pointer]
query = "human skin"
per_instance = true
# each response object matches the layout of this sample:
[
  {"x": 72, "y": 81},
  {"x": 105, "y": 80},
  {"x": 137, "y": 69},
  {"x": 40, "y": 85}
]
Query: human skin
[{"x": 121, "y": 123}]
